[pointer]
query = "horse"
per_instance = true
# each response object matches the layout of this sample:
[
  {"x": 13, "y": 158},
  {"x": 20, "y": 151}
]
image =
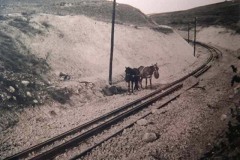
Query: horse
[
  {"x": 132, "y": 76},
  {"x": 235, "y": 78},
  {"x": 147, "y": 72}
]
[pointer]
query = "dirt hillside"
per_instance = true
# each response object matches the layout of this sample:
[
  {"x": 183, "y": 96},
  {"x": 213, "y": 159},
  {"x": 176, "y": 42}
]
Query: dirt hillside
[
  {"x": 35, "y": 48},
  {"x": 217, "y": 24},
  {"x": 224, "y": 14},
  {"x": 81, "y": 47}
]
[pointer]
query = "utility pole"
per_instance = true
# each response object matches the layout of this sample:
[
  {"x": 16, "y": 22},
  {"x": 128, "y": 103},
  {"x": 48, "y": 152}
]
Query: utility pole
[
  {"x": 195, "y": 35},
  {"x": 188, "y": 32},
  {"x": 112, "y": 43}
]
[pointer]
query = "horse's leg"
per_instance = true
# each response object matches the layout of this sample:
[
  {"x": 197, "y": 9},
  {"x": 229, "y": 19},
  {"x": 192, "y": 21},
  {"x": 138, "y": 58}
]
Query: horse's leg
[
  {"x": 139, "y": 84},
  {"x": 129, "y": 87},
  {"x": 140, "y": 81},
  {"x": 146, "y": 83},
  {"x": 132, "y": 85},
  {"x": 151, "y": 82},
  {"x": 136, "y": 84}
]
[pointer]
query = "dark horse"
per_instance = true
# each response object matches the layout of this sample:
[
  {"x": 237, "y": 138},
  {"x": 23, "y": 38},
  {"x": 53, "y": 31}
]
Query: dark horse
[
  {"x": 147, "y": 72},
  {"x": 235, "y": 78},
  {"x": 132, "y": 76}
]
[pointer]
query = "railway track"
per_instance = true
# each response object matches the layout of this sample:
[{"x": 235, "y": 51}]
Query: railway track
[{"x": 77, "y": 136}]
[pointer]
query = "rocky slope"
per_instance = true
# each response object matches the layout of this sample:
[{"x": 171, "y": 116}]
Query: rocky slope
[{"x": 75, "y": 39}]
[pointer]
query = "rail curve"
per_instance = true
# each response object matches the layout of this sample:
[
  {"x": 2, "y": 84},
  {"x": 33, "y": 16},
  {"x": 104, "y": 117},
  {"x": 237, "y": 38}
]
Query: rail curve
[{"x": 105, "y": 121}]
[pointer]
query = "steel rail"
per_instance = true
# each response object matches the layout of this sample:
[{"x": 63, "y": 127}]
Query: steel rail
[
  {"x": 197, "y": 74},
  {"x": 75, "y": 141},
  {"x": 101, "y": 118},
  {"x": 84, "y": 126},
  {"x": 53, "y": 152},
  {"x": 105, "y": 116},
  {"x": 83, "y": 153}
]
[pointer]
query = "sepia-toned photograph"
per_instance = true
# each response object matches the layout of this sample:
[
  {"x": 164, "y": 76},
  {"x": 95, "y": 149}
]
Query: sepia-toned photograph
[{"x": 119, "y": 79}]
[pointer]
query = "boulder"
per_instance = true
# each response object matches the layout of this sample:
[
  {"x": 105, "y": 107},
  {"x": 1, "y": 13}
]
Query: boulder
[{"x": 112, "y": 90}]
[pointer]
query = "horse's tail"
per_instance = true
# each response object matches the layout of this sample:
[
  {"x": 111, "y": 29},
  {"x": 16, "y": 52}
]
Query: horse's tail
[{"x": 136, "y": 81}]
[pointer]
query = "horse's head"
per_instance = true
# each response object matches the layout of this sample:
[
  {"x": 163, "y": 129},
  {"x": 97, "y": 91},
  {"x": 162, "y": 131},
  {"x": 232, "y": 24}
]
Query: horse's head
[
  {"x": 156, "y": 74},
  {"x": 155, "y": 67},
  {"x": 128, "y": 71}
]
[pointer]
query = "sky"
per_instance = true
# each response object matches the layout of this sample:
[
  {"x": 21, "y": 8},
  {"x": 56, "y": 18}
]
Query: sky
[{"x": 160, "y": 6}]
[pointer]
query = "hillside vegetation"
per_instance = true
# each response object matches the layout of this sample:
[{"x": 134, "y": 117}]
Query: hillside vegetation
[
  {"x": 97, "y": 9},
  {"x": 225, "y": 14}
]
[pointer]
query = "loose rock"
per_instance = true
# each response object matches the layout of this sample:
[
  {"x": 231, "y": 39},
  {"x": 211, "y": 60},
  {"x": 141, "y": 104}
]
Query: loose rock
[
  {"x": 25, "y": 83},
  {"x": 142, "y": 122},
  {"x": 149, "y": 137},
  {"x": 14, "y": 98},
  {"x": 231, "y": 96},
  {"x": 35, "y": 101},
  {"x": 223, "y": 117},
  {"x": 155, "y": 111},
  {"x": 124, "y": 131},
  {"x": 237, "y": 90},
  {"x": 29, "y": 94},
  {"x": 11, "y": 89}
]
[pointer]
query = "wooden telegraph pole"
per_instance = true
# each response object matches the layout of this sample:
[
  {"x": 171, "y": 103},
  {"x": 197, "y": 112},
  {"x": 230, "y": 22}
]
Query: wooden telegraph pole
[
  {"x": 188, "y": 32},
  {"x": 195, "y": 35},
  {"x": 112, "y": 43}
]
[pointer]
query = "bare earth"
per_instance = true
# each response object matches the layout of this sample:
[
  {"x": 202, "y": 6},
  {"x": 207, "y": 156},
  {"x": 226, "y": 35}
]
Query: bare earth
[{"x": 186, "y": 128}]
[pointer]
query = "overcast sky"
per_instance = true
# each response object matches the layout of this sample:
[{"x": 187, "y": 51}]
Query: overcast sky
[{"x": 159, "y": 6}]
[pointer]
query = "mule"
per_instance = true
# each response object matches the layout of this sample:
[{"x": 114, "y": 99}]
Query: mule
[
  {"x": 132, "y": 76},
  {"x": 147, "y": 72}
]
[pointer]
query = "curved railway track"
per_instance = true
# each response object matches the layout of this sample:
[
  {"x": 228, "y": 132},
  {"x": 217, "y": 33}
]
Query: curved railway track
[{"x": 74, "y": 137}]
